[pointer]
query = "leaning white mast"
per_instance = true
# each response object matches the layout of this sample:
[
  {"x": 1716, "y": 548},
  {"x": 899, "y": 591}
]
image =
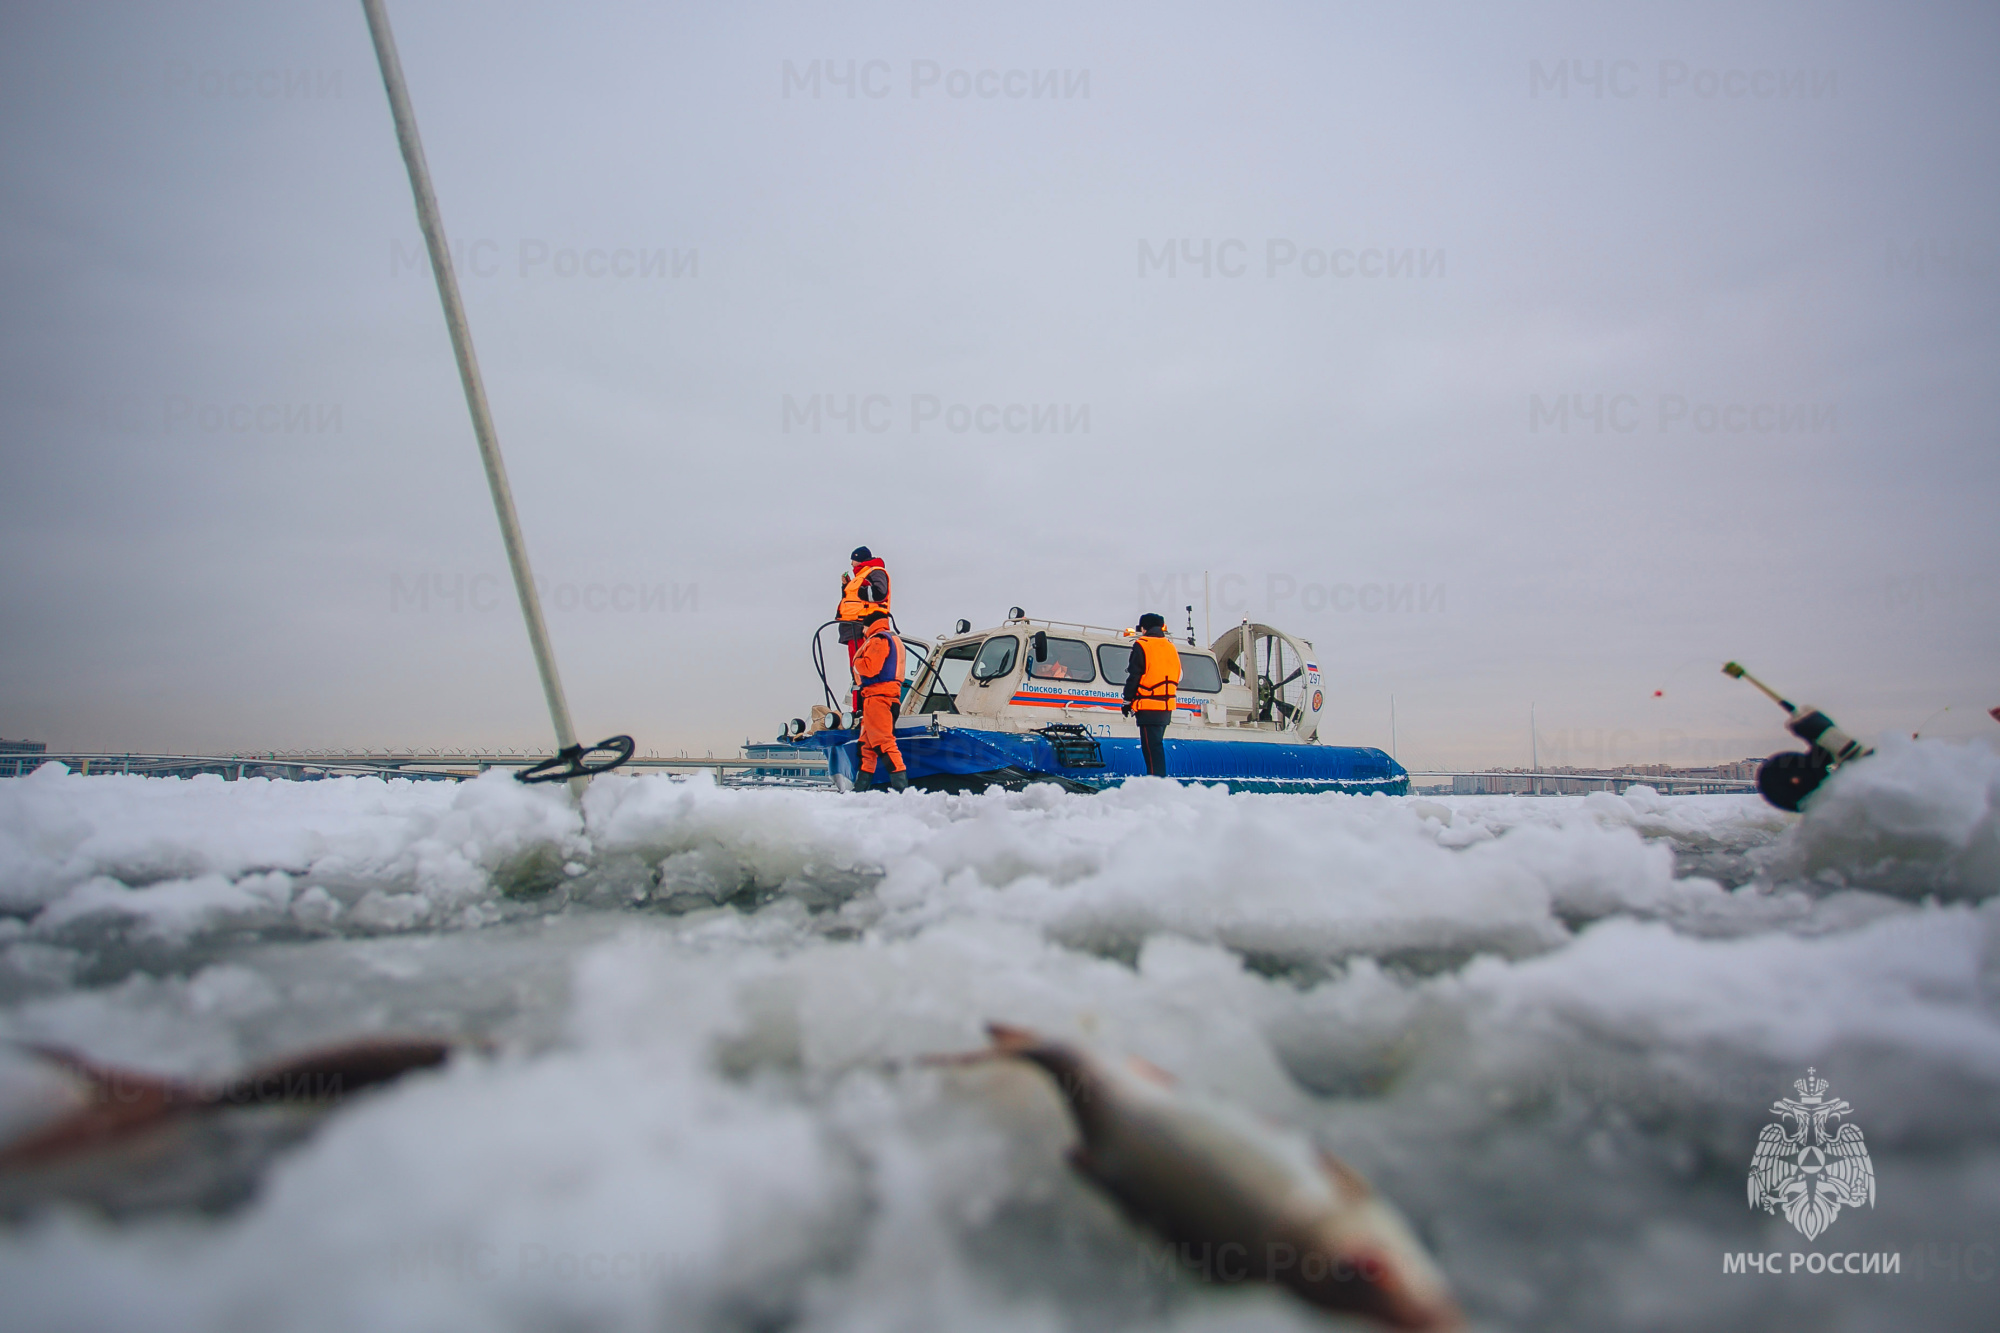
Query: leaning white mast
[{"x": 468, "y": 372}]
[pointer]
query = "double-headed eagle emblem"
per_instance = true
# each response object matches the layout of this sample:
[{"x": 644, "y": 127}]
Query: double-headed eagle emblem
[{"x": 1806, "y": 1165}]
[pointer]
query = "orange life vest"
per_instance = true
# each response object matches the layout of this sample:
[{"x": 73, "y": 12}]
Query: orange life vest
[
  {"x": 1162, "y": 674},
  {"x": 853, "y": 600},
  {"x": 887, "y": 678}
]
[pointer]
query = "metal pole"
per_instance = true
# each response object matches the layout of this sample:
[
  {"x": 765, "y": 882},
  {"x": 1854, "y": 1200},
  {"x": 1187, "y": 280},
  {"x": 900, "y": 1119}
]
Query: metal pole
[{"x": 468, "y": 370}]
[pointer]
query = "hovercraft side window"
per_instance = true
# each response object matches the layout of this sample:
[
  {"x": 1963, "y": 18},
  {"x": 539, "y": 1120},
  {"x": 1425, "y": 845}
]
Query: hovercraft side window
[
  {"x": 1115, "y": 659},
  {"x": 1198, "y": 671},
  {"x": 1068, "y": 659},
  {"x": 996, "y": 657},
  {"x": 941, "y": 694}
]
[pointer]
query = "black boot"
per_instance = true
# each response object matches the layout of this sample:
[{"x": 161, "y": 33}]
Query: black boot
[
  {"x": 899, "y": 781},
  {"x": 864, "y": 779}
]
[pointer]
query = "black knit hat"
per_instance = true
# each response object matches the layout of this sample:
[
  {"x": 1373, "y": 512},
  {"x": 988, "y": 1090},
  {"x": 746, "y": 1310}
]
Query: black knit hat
[
  {"x": 1152, "y": 620},
  {"x": 860, "y": 553}
]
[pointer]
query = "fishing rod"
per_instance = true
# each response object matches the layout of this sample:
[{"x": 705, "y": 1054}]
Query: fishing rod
[{"x": 1787, "y": 778}]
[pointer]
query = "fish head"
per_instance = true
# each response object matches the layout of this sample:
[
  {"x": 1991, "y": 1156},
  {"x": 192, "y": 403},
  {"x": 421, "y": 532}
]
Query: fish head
[{"x": 1363, "y": 1257}]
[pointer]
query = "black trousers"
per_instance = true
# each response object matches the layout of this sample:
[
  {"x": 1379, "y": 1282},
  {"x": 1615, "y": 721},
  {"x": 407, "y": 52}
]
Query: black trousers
[{"x": 1153, "y": 739}]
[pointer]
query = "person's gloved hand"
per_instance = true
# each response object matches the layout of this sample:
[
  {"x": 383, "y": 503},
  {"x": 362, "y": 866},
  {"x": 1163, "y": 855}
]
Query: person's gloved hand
[{"x": 1126, "y": 710}]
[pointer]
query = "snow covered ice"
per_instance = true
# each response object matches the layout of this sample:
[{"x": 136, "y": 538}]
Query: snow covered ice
[{"x": 1549, "y": 1029}]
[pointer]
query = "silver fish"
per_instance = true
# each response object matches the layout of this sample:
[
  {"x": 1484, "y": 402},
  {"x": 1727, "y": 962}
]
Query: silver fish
[{"x": 1240, "y": 1199}]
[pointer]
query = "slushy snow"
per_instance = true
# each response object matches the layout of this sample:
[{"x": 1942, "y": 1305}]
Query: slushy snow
[{"x": 1550, "y": 1029}]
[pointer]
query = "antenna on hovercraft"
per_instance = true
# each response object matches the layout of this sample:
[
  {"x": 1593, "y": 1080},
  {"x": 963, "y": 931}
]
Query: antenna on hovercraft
[{"x": 1190, "y": 612}]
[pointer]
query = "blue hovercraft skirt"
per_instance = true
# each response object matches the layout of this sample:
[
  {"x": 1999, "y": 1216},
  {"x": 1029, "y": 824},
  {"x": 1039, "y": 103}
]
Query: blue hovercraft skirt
[{"x": 964, "y": 759}]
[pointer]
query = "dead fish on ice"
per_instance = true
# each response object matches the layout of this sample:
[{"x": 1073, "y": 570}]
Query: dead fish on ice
[
  {"x": 123, "y": 1104},
  {"x": 1243, "y": 1199}
]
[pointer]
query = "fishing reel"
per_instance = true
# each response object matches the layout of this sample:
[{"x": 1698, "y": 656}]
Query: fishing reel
[{"x": 1787, "y": 778}]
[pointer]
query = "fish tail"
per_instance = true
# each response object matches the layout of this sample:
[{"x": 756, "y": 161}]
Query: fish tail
[
  {"x": 120, "y": 1103},
  {"x": 113, "y": 1084}
]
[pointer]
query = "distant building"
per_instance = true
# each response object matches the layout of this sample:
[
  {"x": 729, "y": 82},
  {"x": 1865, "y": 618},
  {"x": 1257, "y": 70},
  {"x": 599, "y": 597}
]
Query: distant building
[
  {"x": 779, "y": 760},
  {"x": 14, "y": 757},
  {"x": 1566, "y": 781}
]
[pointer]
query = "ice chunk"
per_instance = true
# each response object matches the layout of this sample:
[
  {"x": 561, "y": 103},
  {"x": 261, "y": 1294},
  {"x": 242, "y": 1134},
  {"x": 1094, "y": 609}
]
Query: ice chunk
[{"x": 1917, "y": 817}]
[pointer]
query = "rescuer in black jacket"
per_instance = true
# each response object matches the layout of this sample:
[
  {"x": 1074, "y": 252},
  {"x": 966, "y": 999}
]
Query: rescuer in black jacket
[{"x": 1150, "y": 680}]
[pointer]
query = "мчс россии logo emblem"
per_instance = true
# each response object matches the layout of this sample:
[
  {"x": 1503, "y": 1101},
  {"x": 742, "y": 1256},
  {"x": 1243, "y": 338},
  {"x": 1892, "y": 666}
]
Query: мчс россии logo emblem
[{"x": 1806, "y": 1165}]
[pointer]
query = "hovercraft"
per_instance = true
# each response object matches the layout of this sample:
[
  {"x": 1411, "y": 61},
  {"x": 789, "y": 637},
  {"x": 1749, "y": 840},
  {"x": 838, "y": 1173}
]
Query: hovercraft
[{"x": 1038, "y": 701}]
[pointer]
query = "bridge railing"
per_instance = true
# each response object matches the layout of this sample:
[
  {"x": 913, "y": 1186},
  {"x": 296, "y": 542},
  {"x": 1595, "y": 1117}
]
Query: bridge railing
[
  {"x": 438, "y": 764},
  {"x": 1510, "y": 783}
]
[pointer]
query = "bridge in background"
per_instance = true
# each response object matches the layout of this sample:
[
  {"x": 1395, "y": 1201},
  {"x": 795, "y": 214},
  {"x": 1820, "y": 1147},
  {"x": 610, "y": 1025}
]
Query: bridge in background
[
  {"x": 758, "y": 763},
  {"x": 1513, "y": 782}
]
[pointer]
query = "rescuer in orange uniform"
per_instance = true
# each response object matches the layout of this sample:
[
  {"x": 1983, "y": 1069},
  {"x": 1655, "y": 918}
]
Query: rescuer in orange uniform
[
  {"x": 1150, "y": 681},
  {"x": 864, "y": 589},
  {"x": 878, "y": 682}
]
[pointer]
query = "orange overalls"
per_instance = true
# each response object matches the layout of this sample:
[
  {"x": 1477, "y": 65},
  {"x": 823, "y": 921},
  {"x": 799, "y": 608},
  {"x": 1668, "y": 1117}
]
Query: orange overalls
[{"x": 878, "y": 678}]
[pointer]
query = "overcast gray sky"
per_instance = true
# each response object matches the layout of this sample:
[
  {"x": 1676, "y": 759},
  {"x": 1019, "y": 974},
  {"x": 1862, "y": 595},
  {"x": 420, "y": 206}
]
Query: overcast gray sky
[{"x": 1515, "y": 355}]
